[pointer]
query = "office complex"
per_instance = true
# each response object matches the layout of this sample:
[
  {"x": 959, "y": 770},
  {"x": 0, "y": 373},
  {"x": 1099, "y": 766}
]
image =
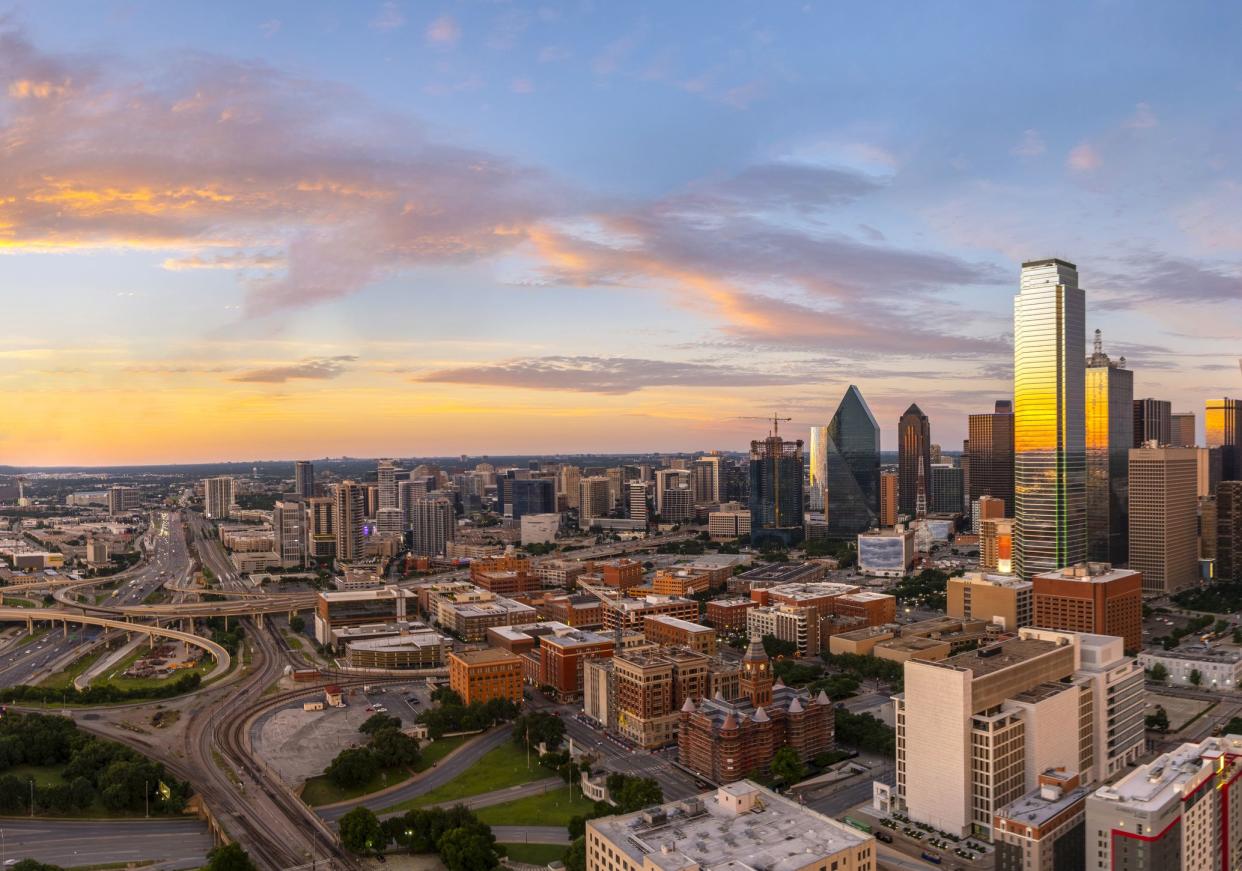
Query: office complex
[
  {"x": 1049, "y": 450},
  {"x": 303, "y": 479},
  {"x": 1177, "y": 811},
  {"x": 914, "y": 465},
  {"x": 976, "y": 729},
  {"x": 1094, "y": 598},
  {"x": 350, "y": 520},
  {"x": 289, "y": 533},
  {"x": 888, "y": 498},
  {"x": 948, "y": 494},
  {"x": 853, "y": 467},
  {"x": 1152, "y": 422},
  {"x": 219, "y": 496},
  {"x": 123, "y": 500},
  {"x": 1222, "y": 427},
  {"x": 433, "y": 522},
  {"x": 989, "y": 450},
  {"x": 531, "y": 496},
  {"x": 1110, "y": 420},
  {"x": 1164, "y": 531},
  {"x": 1000, "y": 599},
  {"x": 776, "y": 476},
  {"x": 1182, "y": 430},
  {"x": 1228, "y": 548},
  {"x": 817, "y": 469},
  {"x": 594, "y": 499}
]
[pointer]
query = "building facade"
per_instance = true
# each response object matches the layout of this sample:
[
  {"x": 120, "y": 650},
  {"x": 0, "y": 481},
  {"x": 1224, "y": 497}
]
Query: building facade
[
  {"x": 1153, "y": 422},
  {"x": 483, "y": 675},
  {"x": 853, "y": 467},
  {"x": 1109, "y": 436},
  {"x": 989, "y": 449},
  {"x": 776, "y": 477},
  {"x": 1093, "y": 598},
  {"x": 1164, "y": 529},
  {"x": 914, "y": 466}
]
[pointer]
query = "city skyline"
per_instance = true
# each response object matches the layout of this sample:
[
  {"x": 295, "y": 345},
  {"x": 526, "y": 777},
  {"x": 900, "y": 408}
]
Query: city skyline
[{"x": 504, "y": 231}]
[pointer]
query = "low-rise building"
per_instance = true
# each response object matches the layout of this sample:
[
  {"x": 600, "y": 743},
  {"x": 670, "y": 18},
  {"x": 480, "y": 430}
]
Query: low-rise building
[
  {"x": 729, "y": 614},
  {"x": 668, "y": 631},
  {"x": 1208, "y": 668},
  {"x": 1001, "y": 599},
  {"x": 886, "y": 553},
  {"x": 560, "y": 572},
  {"x": 680, "y": 582},
  {"x": 483, "y": 675},
  {"x": 874, "y": 609},
  {"x": 776, "y": 574},
  {"x": 1093, "y": 598},
  {"x": 632, "y": 612},
  {"x": 411, "y": 649},
  {"x": 336, "y": 609},
  {"x": 798, "y": 626},
  {"x": 469, "y": 613},
  {"x": 728, "y": 524},
  {"x": 1045, "y": 829}
]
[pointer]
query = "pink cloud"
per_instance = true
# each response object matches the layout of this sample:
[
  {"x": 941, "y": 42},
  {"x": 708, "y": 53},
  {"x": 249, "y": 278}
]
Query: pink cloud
[
  {"x": 444, "y": 31},
  {"x": 1083, "y": 158}
]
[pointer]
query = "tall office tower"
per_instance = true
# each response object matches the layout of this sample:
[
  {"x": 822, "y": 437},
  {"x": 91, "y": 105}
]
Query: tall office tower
[
  {"x": 707, "y": 470},
  {"x": 1109, "y": 436},
  {"x": 386, "y": 476},
  {"x": 638, "y": 500},
  {"x": 594, "y": 498},
  {"x": 122, "y": 499},
  {"x": 1210, "y": 469},
  {"x": 1229, "y": 531},
  {"x": 1182, "y": 429},
  {"x": 304, "y": 479},
  {"x": 531, "y": 496},
  {"x": 888, "y": 497},
  {"x": 1153, "y": 422},
  {"x": 351, "y": 507},
  {"x": 321, "y": 521},
  {"x": 853, "y": 468},
  {"x": 990, "y": 451},
  {"x": 370, "y": 499},
  {"x": 432, "y": 527},
  {"x": 1164, "y": 528},
  {"x": 817, "y": 469},
  {"x": 1222, "y": 426},
  {"x": 567, "y": 484},
  {"x": 964, "y": 462},
  {"x": 1050, "y": 458},
  {"x": 289, "y": 533},
  {"x": 996, "y": 544},
  {"x": 913, "y": 451},
  {"x": 947, "y": 492},
  {"x": 975, "y": 730},
  {"x": 776, "y": 476},
  {"x": 670, "y": 479},
  {"x": 219, "y": 496}
]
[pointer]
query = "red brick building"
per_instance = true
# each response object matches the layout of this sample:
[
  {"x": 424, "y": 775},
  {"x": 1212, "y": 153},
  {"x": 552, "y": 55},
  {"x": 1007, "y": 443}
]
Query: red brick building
[
  {"x": 1091, "y": 597},
  {"x": 729, "y": 615}
]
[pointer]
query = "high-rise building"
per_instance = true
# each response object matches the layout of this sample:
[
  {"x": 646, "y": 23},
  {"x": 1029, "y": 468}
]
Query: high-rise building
[
  {"x": 321, "y": 522},
  {"x": 1153, "y": 422},
  {"x": 1182, "y": 427},
  {"x": 888, "y": 498},
  {"x": 948, "y": 495},
  {"x": 1164, "y": 533},
  {"x": 304, "y": 479},
  {"x": 671, "y": 479},
  {"x": 1229, "y": 531},
  {"x": 914, "y": 462},
  {"x": 386, "y": 477},
  {"x": 638, "y": 500},
  {"x": 1222, "y": 427},
  {"x": 432, "y": 527},
  {"x": 1209, "y": 471},
  {"x": 350, "y": 518},
  {"x": 289, "y": 533},
  {"x": 1092, "y": 598},
  {"x": 594, "y": 498},
  {"x": 817, "y": 469},
  {"x": 776, "y": 477},
  {"x": 567, "y": 484},
  {"x": 1000, "y": 599},
  {"x": 985, "y": 508},
  {"x": 122, "y": 499},
  {"x": 853, "y": 468},
  {"x": 989, "y": 450},
  {"x": 706, "y": 479},
  {"x": 390, "y": 522},
  {"x": 1050, "y": 461},
  {"x": 996, "y": 544},
  {"x": 531, "y": 496},
  {"x": 1109, "y": 426},
  {"x": 219, "y": 496}
]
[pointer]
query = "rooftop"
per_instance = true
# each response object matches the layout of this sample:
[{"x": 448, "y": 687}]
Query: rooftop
[
  {"x": 411, "y": 640},
  {"x": 364, "y": 595},
  {"x": 1007, "y": 581},
  {"x": 812, "y": 590},
  {"x": 781, "y": 572},
  {"x": 1090, "y": 573},
  {"x": 482, "y": 657},
  {"x": 1151, "y": 786},
  {"x": 864, "y": 596},
  {"x": 1040, "y": 805},
  {"x": 741, "y": 826},
  {"x": 996, "y": 657},
  {"x": 678, "y": 623},
  {"x": 1198, "y": 654}
]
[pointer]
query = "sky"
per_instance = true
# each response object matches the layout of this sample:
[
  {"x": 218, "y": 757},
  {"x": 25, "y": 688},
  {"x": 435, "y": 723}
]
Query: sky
[{"x": 299, "y": 229}]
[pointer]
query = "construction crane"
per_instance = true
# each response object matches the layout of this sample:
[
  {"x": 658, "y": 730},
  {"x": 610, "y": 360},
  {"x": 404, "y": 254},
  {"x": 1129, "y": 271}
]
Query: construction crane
[
  {"x": 612, "y": 604},
  {"x": 776, "y": 422}
]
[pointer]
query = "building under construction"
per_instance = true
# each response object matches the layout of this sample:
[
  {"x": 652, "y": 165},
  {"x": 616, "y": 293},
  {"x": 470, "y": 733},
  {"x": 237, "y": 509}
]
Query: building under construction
[{"x": 776, "y": 479}]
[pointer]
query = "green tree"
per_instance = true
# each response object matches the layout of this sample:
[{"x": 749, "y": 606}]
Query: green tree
[
  {"x": 1158, "y": 673},
  {"x": 575, "y": 855},
  {"x": 378, "y": 723},
  {"x": 33, "y": 865},
  {"x": 230, "y": 857},
  {"x": 787, "y": 766},
  {"x": 1159, "y": 720},
  {"x": 1196, "y": 677},
  {"x": 352, "y": 767},
  {"x": 774, "y": 646},
  {"x": 361, "y": 831},
  {"x": 446, "y": 696},
  {"x": 297, "y": 623},
  {"x": 468, "y": 848},
  {"x": 538, "y": 727},
  {"x": 394, "y": 749}
]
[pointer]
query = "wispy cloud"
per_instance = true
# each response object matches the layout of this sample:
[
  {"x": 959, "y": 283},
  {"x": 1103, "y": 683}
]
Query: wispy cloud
[
  {"x": 444, "y": 31},
  {"x": 318, "y": 369},
  {"x": 1143, "y": 118},
  {"x": 1031, "y": 145},
  {"x": 389, "y": 17},
  {"x": 1083, "y": 158},
  {"x": 237, "y": 260}
]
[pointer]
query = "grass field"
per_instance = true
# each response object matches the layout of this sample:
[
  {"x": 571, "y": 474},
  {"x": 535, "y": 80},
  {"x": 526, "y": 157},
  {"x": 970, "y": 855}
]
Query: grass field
[
  {"x": 535, "y": 854},
  {"x": 319, "y": 791},
  {"x": 500, "y": 768},
  {"x": 63, "y": 680},
  {"x": 552, "y": 808}
]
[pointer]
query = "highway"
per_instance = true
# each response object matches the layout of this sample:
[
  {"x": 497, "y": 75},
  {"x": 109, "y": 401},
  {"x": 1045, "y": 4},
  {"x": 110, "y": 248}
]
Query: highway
[{"x": 171, "y": 843}]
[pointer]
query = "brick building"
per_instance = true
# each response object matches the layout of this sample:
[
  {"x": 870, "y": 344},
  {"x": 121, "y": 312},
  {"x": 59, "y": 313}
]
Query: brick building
[
  {"x": 483, "y": 675},
  {"x": 680, "y": 582},
  {"x": 672, "y": 632},
  {"x": 1091, "y": 597},
  {"x": 729, "y": 615}
]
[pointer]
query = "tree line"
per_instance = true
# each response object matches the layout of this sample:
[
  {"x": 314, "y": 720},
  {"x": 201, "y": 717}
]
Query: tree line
[{"x": 102, "y": 693}]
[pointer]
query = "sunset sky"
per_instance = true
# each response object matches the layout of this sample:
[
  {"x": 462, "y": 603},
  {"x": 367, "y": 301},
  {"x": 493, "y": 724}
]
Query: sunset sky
[{"x": 298, "y": 229}]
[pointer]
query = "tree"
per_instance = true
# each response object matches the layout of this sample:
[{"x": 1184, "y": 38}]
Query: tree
[
  {"x": 352, "y": 767},
  {"x": 468, "y": 848},
  {"x": 297, "y": 623},
  {"x": 774, "y": 646},
  {"x": 393, "y": 748},
  {"x": 787, "y": 766},
  {"x": 446, "y": 696},
  {"x": 538, "y": 727},
  {"x": 633, "y": 793},
  {"x": 1158, "y": 721},
  {"x": 378, "y": 723},
  {"x": 1196, "y": 677},
  {"x": 1158, "y": 673},
  {"x": 361, "y": 831},
  {"x": 230, "y": 857},
  {"x": 575, "y": 855}
]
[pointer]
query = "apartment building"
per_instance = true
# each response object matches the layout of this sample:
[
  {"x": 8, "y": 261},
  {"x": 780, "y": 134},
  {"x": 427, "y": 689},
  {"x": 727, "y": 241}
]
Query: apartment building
[
  {"x": 665, "y": 631},
  {"x": 729, "y": 614}
]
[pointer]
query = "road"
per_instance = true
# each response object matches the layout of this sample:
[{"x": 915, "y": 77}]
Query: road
[
  {"x": 179, "y": 843},
  {"x": 24, "y": 663},
  {"x": 675, "y": 783}
]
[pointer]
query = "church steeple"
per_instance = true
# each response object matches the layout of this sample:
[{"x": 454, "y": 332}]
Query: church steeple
[{"x": 756, "y": 679}]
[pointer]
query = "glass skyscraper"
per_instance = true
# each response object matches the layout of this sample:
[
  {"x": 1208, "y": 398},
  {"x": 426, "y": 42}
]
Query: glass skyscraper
[
  {"x": 817, "y": 469},
  {"x": 913, "y": 451},
  {"x": 990, "y": 453},
  {"x": 776, "y": 476},
  {"x": 1109, "y": 433},
  {"x": 852, "y": 468},
  {"x": 1050, "y": 463},
  {"x": 1222, "y": 424}
]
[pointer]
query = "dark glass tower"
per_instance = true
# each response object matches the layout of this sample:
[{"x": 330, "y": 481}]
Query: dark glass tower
[
  {"x": 913, "y": 450},
  {"x": 852, "y": 468},
  {"x": 990, "y": 452},
  {"x": 532, "y": 496},
  {"x": 1153, "y": 422},
  {"x": 776, "y": 476},
  {"x": 1111, "y": 414}
]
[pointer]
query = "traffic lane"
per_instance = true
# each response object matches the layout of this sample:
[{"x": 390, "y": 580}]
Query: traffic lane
[
  {"x": 531, "y": 835},
  {"x": 182, "y": 843}
]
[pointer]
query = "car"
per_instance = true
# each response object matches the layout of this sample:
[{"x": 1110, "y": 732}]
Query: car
[
  {"x": 370, "y": 708},
  {"x": 8, "y": 863}
]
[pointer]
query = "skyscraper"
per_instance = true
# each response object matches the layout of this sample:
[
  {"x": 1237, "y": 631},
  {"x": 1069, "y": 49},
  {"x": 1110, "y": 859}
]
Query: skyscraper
[
  {"x": 990, "y": 452},
  {"x": 1183, "y": 429},
  {"x": 218, "y": 497},
  {"x": 289, "y": 533},
  {"x": 386, "y": 476},
  {"x": 1109, "y": 436},
  {"x": 350, "y": 517},
  {"x": 433, "y": 523},
  {"x": 913, "y": 451},
  {"x": 817, "y": 469},
  {"x": 532, "y": 496},
  {"x": 888, "y": 497},
  {"x": 853, "y": 468},
  {"x": 948, "y": 496},
  {"x": 304, "y": 479},
  {"x": 1229, "y": 532},
  {"x": 1050, "y": 462},
  {"x": 1222, "y": 425},
  {"x": 776, "y": 476},
  {"x": 594, "y": 499},
  {"x": 1153, "y": 422},
  {"x": 1164, "y": 520}
]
